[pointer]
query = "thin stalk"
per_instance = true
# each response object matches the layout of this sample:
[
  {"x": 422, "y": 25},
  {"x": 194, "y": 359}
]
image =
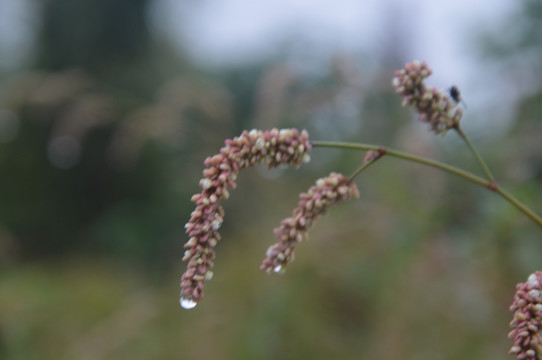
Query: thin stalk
[
  {"x": 364, "y": 166},
  {"x": 399, "y": 154},
  {"x": 518, "y": 204},
  {"x": 476, "y": 154},
  {"x": 490, "y": 184}
]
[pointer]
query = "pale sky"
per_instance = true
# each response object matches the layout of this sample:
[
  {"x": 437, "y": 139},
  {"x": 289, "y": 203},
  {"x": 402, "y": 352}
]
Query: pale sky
[
  {"x": 219, "y": 32},
  {"x": 231, "y": 31},
  {"x": 236, "y": 32},
  {"x": 443, "y": 33}
]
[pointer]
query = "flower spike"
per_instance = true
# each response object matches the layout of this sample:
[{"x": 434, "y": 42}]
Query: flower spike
[
  {"x": 433, "y": 106},
  {"x": 272, "y": 147},
  {"x": 328, "y": 191},
  {"x": 527, "y": 322}
]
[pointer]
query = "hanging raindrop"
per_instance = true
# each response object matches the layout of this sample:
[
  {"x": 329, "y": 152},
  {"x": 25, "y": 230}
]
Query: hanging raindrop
[
  {"x": 187, "y": 303},
  {"x": 279, "y": 269}
]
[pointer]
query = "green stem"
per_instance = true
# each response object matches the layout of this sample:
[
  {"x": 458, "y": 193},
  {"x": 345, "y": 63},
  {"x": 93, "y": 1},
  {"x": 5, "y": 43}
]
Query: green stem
[
  {"x": 490, "y": 184},
  {"x": 476, "y": 154},
  {"x": 436, "y": 164},
  {"x": 365, "y": 165},
  {"x": 518, "y": 204}
]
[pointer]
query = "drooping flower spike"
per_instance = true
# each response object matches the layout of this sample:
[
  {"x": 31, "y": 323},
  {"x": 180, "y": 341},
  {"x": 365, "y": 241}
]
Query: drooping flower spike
[
  {"x": 327, "y": 192},
  {"x": 272, "y": 147}
]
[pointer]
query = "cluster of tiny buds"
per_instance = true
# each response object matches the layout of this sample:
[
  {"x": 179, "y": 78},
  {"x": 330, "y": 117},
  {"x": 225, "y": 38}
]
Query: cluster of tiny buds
[
  {"x": 432, "y": 105},
  {"x": 328, "y": 191},
  {"x": 527, "y": 322},
  {"x": 272, "y": 147}
]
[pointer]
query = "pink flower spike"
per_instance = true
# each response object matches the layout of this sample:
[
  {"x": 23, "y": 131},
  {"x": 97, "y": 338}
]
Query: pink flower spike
[
  {"x": 272, "y": 147},
  {"x": 433, "y": 106},
  {"x": 527, "y": 322},
  {"x": 328, "y": 191}
]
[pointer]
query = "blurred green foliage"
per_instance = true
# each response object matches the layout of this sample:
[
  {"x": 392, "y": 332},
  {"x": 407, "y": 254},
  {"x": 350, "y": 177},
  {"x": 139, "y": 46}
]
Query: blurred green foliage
[{"x": 111, "y": 127}]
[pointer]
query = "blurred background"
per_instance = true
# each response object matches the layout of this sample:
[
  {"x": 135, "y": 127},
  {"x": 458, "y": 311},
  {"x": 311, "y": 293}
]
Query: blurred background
[{"x": 108, "y": 108}]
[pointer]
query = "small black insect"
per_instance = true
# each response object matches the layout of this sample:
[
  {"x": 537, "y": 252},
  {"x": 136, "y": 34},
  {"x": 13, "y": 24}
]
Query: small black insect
[{"x": 456, "y": 95}]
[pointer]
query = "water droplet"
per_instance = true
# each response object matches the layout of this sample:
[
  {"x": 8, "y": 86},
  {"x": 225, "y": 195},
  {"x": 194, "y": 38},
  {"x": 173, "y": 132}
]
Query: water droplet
[
  {"x": 279, "y": 269},
  {"x": 187, "y": 303}
]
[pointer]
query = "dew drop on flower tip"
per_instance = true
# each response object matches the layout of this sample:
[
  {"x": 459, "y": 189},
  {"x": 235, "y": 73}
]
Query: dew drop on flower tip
[{"x": 187, "y": 303}]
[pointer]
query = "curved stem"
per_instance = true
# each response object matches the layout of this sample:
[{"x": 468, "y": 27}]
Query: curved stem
[
  {"x": 476, "y": 154},
  {"x": 490, "y": 184},
  {"x": 366, "y": 163},
  {"x": 399, "y": 154},
  {"x": 518, "y": 204}
]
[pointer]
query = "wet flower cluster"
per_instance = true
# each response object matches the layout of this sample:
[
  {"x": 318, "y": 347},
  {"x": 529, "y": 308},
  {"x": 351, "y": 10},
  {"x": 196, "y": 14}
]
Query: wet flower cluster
[
  {"x": 328, "y": 191},
  {"x": 527, "y": 322},
  {"x": 272, "y": 147},
  {"x": 433, "y": 106}
]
